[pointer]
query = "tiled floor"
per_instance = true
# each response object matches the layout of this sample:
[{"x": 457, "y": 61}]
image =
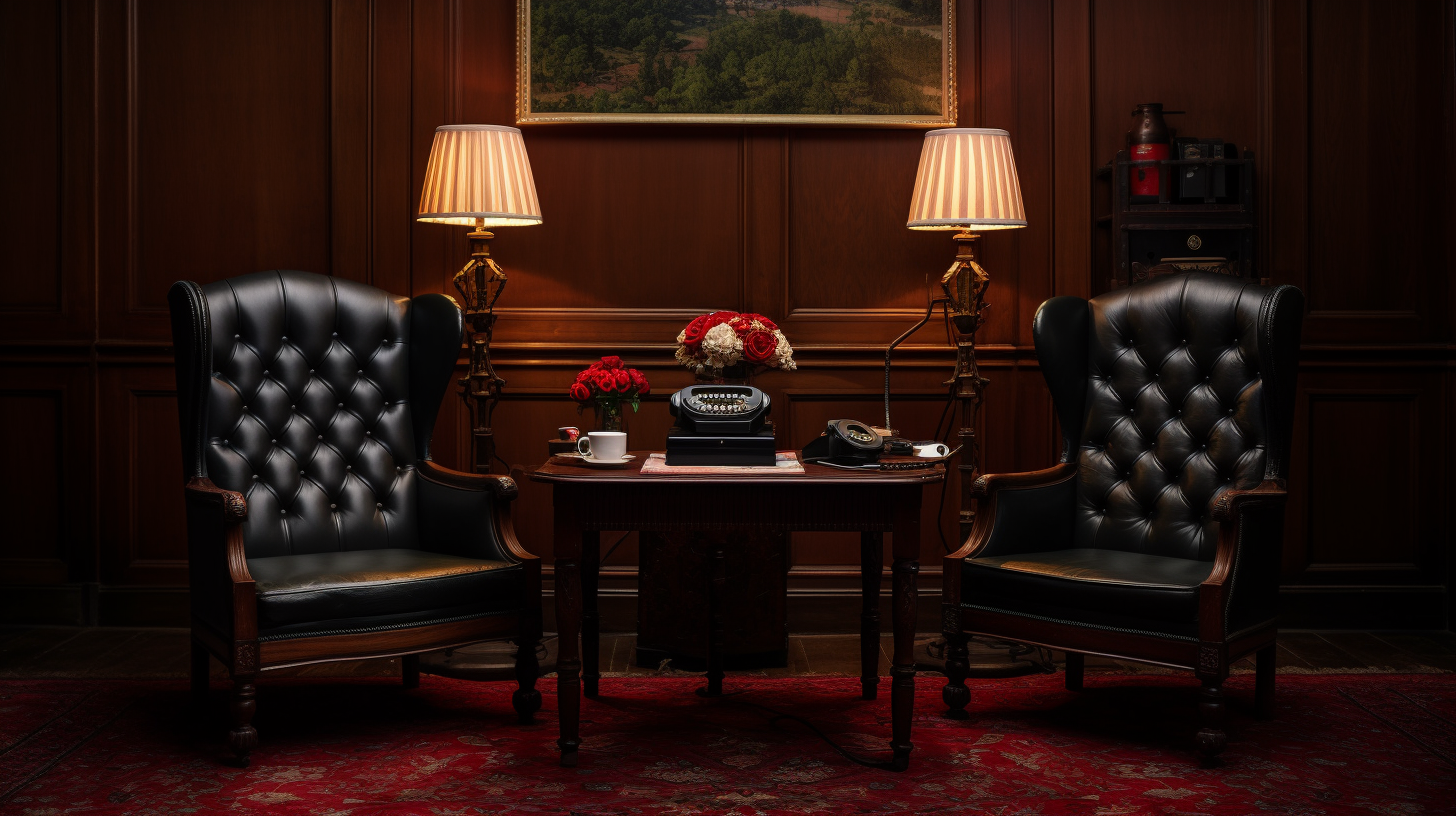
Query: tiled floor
[{"x": 115, "y": 652}]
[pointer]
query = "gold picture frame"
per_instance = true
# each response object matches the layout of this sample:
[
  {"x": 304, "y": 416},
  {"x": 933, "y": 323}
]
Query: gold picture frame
[{"x": 605, "y": 70}]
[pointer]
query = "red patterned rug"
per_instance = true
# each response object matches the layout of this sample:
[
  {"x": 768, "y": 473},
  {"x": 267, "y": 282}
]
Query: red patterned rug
[{"x": 1377, "y": 744}]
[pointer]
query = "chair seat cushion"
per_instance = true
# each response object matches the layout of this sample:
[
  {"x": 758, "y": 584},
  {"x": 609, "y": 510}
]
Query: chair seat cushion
[
  {"x": 354, "y": 590},
  {"x": 1100, "y": 587}
]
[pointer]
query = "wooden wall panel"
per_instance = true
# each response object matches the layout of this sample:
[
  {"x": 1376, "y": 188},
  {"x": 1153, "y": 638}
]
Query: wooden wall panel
[
  {"x": 218, "y": 157},
  {"x": 1375, "y": 211},
  {"x": 208, "y": 140},
  {"x": 45, "y": 411},
  {"x": 30, "y": 224},
  {"x": 144, "y": 538}
]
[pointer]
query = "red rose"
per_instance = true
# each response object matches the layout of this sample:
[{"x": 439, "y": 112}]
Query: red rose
[
  {"x": 623, "y": 380},
  {"x": 639, "y": 382},
  {"x": 586, "y": 374},
  {"x": 763, "y": 321},
  {"x": 580, "y": 392},
  {"x": 606, "y": 381},
  {"x": 742, "y": 325},
  {"x": 759, "y": 346},
  {"x": 693, "y": 334},
  {"x": 612, "y": 362},
  {"x": 718, "y": 318}
]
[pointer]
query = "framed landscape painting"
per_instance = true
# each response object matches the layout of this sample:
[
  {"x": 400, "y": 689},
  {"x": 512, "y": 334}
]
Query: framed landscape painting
[{"x": 824, "y": 62}]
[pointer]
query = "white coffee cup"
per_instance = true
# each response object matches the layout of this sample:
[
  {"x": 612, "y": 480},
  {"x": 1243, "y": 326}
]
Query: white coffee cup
[{"x": 603, "y": 446}]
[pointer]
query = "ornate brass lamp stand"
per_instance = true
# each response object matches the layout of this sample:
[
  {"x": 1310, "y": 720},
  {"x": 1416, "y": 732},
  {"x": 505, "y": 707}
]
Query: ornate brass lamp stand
[
  {"x": 965, "y": 285},
  {"x": 480, "y": 284}
]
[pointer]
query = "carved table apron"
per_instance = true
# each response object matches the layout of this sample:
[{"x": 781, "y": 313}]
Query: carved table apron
[{"x": 587, "y": 501}]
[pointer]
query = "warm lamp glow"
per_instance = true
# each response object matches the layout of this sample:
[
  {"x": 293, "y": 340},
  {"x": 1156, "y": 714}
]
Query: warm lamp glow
[
  {"x": 967, "y": 179},
  {"x": 479, "y": 176}
]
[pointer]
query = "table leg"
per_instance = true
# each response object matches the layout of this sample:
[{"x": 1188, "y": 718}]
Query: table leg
[
  {"x": 871, "y": 561},
  {"x": 902, "y": 683},
  {"x": 567, "y": 535},
  {"x": 718, "y": 578},
  {"x": 591, "y": 620}
]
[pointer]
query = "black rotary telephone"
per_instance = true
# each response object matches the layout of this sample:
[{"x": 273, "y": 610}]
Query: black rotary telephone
[
  {"x": 845, "y": 442},
  {"x": 720, "y": 425},
  {"x": 719, "y": 409}
]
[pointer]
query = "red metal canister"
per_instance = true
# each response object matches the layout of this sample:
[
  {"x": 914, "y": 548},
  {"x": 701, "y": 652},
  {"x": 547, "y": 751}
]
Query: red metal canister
[{"x": 1147, "y": 141}]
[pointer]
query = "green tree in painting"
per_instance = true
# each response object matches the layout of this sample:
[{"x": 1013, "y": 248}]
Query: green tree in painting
[{"x": 700, "y": 56}]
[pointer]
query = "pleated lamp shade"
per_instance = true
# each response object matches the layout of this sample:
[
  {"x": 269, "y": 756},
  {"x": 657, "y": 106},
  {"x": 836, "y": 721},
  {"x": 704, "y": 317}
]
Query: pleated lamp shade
[
  {"x": 479, "y": 172},
  {"x": 967, "y": 179}
]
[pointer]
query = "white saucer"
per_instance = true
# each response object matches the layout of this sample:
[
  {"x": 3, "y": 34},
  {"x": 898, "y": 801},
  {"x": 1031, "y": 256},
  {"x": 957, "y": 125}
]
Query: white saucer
[{"x": 607, "y": 463}]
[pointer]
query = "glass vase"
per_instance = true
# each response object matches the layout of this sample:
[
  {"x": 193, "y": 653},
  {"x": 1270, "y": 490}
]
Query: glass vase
[{"x": 609, "y": 414}]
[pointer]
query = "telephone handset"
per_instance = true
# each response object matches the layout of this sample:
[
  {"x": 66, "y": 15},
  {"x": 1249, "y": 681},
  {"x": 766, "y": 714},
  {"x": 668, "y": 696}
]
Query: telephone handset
[
  {"x": 847, "y": 442},
  {"x": 719, "y": 409}
]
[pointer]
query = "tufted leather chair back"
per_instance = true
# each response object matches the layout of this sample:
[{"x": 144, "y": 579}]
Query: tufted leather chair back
[
  {"x": 1169, "y": 393},
  {"x": 314, "y": 397}
]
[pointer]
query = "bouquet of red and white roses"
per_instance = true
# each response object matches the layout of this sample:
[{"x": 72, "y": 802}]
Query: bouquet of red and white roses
[
  {"x": 606, "y": 384},
  {"x": 713, "y": 342}
]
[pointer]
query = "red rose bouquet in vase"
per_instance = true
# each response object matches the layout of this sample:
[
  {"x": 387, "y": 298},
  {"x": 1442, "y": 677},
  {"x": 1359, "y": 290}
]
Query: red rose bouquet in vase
[
  {"x": 729, "y": 345},
  {"x": 605, "y": 385}
]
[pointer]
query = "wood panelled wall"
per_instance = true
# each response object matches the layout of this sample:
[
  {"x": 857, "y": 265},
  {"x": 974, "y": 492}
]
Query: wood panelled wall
[{"x": 153, "y": 140}]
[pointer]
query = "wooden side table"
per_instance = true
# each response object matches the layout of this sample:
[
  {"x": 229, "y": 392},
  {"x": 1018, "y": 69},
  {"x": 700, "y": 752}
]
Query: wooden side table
[{"x": 586, "y": 501}]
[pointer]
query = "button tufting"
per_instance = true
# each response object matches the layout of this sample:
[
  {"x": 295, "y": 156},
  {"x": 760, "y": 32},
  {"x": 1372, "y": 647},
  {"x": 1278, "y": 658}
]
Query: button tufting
[
  {"x": 265, "y": 372},
  {"x": 368, "y": 433},
  {"x": 237, "y": 337},
  {"x": 301, "y": 473},
  {"x": 336, "y": 334},
  {"x": 274, "y": 441},
  {"x": 333, "y": 507},
  {"x": 341, "y": 405},
  {"x": 348, "y": 467},
  {"x": 360, "y": 372},
  {"x": 320, "y": 436},
  {"x": 293, "y": 407},
  {"x": 379, "y": 504},
  {"x": 310, "y": 371},
  {"x": 255, "y": 477},
  {"x": 282, "y": 512},
  {"x": 245, "y": 407}
]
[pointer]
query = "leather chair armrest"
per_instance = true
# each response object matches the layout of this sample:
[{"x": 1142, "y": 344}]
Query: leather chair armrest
[
  {"x": 1242, "y": 590},
  {"x": 501, "y": 486},
  {"x": 222, "y": 592},
  {"x": 1017, "y": 512},
  {"x": 468, "y": 514}
]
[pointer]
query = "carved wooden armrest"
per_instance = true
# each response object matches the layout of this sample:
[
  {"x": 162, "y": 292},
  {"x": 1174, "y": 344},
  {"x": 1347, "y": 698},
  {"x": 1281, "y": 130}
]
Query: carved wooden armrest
[
  {"x": 988, "y": 483},
  {"x": 1226, "y": 509},
  {"x": 504, "y": 487},
  {"x": 230, "y": 503}
]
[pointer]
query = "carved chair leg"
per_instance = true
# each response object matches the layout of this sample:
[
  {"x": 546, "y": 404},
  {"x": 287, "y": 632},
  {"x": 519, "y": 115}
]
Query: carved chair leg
[
  {"x": 526, "y": 699},
  {"x": 955, "y": 694},
  {"x": 411, "y": 670},
  {"x": 243, "y": 738},
  {"x": 201, "y": 663},
  {"x": 1211, "y": 738},
  {"x": 1264, "y": 681},
  {"x": 1076, "y": 663}
]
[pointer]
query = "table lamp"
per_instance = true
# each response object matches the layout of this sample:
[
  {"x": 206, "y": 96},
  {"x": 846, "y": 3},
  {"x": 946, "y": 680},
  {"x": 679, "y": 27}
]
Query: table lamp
[
  {"x": 479, "y": 177},
  {"x": 967, "y": 183}
]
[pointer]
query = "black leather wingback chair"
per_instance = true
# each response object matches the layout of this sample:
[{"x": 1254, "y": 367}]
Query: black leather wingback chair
[
  {"x": 1158, "y": 537},
  {"x": 318, "y": 528}
]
